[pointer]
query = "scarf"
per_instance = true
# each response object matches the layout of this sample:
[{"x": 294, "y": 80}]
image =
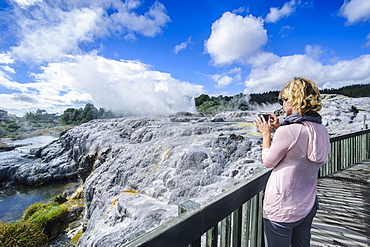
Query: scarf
[{"x": 296, "y": 118}]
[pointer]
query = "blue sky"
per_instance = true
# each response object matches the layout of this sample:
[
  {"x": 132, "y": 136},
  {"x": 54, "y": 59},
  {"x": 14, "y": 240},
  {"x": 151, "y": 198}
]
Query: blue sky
[{"x": 151, "y": 57}]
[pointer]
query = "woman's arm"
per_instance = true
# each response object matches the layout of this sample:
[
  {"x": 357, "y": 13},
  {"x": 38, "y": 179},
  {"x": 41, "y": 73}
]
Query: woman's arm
[{"x": 273, "y": 152}]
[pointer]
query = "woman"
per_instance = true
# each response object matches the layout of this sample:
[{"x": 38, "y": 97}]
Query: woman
[{"x": 299, "y": 148}]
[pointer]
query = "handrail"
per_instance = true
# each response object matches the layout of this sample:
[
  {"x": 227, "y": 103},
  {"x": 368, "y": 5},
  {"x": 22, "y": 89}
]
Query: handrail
[
  {"x": 346, "y": 150},
  {"x": 239, "y": 209},
  {"x": 201, "y": 219},
  {"x": 349, "y": 135}
]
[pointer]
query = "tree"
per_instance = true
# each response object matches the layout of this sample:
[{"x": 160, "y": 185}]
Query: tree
[
  {"x": 12, "y": 126},
  {"x": 201, "y": 99},
  {"x": 40, "y": 116},
  {"x": 83, "y": 115}
]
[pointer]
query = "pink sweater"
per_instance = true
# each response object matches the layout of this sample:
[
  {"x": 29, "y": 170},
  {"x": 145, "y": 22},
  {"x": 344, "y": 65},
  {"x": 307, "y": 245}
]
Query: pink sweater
[{"x": 296, "y": 154}]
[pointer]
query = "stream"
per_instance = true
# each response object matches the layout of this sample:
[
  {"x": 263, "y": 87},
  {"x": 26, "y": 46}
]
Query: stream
[{"x": 16, "y": 199}]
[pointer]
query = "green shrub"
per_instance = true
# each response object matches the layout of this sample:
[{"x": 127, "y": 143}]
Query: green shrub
[
  {"x": 40, "y": 222},
  {"x": 21, "y": 234},
  {"x": 32, "y": 209},
  {"x": 51, "y": 217}
]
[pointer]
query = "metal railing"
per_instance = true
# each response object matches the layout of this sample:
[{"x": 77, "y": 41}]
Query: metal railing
[{"x": 234, "y": 218}]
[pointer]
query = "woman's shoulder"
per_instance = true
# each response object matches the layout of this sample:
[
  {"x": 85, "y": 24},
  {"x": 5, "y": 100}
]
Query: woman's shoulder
[{"x": 290, "y": 128}]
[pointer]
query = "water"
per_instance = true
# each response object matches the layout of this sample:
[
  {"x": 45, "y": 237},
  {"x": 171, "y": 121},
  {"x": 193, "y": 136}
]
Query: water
[
  {"x": 15, "y": 199},
  {"x": 25, "y": 145}
]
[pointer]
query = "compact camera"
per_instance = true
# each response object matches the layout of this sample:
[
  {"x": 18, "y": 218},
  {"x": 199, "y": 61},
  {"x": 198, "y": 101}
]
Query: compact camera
[{"x": 265, "y": 116}]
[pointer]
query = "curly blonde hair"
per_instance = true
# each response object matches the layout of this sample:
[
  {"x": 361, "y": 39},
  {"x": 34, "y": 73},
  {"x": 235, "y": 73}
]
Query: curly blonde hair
[{"x": 303, "y": 95}]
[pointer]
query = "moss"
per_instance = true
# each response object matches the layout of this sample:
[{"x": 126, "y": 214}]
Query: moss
[
  {"x": 72, "y": 203},
  {"x": 78, "y": 194},
  {"x": 131, "y": 191},
  {"x": 242, "y": 124},
  {"x": 76, "y": 237},
  {"x": 22, "y": 234},
  {"x": 166, "y": 154},
  {"x": 115, "y": 200},
  {"x": 48, "y": 216}
]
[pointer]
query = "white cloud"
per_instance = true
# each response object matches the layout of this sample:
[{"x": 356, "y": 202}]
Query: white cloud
[
  {"x": 263, "y": 59},
  {"x": 273, "y": 75},
  {"x": 313, "y": 51},
  {"x": 6, "y": 58},
  {"x": 367, "y": 44},
  {"x": 26, "y": 3},
  {"x": 235, "y": 38},
  {"x": 276, "y": 14},
  {"x": 182, "y": 46},
  {"x": 52, "y": 41},
  {"x": 51, "y": 34},
  {"x": 6, "y": 81},
  {"x": 355, "y": 11},
  {"x": 284, "y": 31},
  {"x": 347, "y": 72},
  {"x": 236, "y": 70},
  {"x": 8, "y": 69},
  {"x": 49, "y": 96},
  {"x": 270, "y": 71},
  {"x": 149, "y": 24},
  {"x": 128, "y": 87},
  {"x": 223, "y": 80},
  {"x": 49, "y": 31},
  {"x": 240, "y": 10}
]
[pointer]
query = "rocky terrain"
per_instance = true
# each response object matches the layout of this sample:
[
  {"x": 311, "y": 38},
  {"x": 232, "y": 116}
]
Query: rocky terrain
[{"x": 136, "y": 170}]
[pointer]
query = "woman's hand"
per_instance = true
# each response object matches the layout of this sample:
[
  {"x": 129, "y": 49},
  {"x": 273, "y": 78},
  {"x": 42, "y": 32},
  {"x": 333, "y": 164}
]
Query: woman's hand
[
  {"x": 265, "y": 128},
  {"x": 262, "y": 125},
  {"x": 274, "y": 121}
]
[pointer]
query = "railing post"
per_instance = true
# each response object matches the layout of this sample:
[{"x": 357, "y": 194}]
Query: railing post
[
  {"x": 246, "y": 224},
  {"x": 364, "y": 147},
  {"x": 237, "y": 227},
  {"x": 365, "y": 125},
  {"x": 260, "y": 232},
  {"x": 367, "y": 145},
  {"x": 184, "y": 207},
  {"x": 212, "y": 237},
  {"x": 255, "y": 222},
  {"x": 226, "y": 232}
]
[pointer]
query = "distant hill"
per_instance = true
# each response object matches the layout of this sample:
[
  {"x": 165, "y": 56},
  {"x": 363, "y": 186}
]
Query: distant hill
[
  {"x": 354, "y": 91},
  {"x": 211, "y": 105}
]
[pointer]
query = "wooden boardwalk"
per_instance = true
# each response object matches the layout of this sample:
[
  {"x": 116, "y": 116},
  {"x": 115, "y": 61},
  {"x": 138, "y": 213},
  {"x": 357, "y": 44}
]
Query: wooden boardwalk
[{"x": 344, "y": 215}]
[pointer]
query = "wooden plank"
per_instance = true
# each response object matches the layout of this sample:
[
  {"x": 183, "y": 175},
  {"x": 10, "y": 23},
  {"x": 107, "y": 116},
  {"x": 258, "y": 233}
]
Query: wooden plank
[{"x": 343, "y": 218}]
